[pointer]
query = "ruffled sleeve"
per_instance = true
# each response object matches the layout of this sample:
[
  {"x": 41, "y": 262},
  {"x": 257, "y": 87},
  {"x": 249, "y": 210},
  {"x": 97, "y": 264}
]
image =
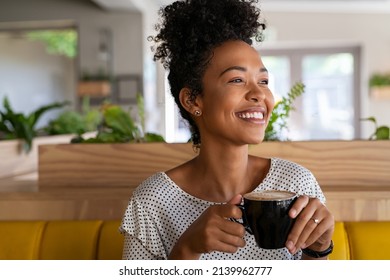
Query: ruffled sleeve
[{"x": 139, "y": 223}]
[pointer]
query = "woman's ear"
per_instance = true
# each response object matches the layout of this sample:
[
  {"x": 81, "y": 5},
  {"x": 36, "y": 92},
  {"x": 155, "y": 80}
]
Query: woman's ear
[{"x": 189, "y": 102}]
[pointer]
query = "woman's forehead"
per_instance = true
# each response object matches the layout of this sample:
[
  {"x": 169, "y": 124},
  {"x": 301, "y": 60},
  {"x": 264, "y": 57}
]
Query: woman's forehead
[{"x": 235, "y": 53}]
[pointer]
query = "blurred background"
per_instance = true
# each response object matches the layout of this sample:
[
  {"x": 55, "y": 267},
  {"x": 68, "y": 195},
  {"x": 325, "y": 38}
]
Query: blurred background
[{"x": 48, "y": 48}]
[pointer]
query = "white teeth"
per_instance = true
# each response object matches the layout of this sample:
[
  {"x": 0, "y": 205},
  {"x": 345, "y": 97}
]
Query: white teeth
[{"x": 254, "y": 115}]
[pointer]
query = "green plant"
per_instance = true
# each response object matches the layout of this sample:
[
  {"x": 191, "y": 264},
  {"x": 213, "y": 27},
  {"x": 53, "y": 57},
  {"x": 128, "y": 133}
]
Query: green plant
[
  {"x": 19, "y": 126},
  {"x": 72, "y": 122},
  {"x": 380, "y": 133},
  {"x": 278, "y": 120},
  {"x": 378, "y": 80},
  {"x": 117, "y": 126},
  {"x": 62, "y": 42},
  {"x": 100, "y": 75}
]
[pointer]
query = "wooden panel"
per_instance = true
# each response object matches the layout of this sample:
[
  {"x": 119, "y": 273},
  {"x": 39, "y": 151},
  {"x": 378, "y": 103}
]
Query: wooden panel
[
  {"x": 14, "y": 161},
  {"x": 27, "y": 202},
  {"x": 110, "y": 203},
  {"x": 103, "y": 165},
  {"x": 359, "y": 205},
  {"x": 334, "y": 163}
]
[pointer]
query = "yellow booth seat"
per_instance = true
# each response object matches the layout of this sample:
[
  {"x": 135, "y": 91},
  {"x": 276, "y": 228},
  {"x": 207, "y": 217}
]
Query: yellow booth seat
[
  {"x": 101, "y": 240},
  {"x": 60, "y": 240}
]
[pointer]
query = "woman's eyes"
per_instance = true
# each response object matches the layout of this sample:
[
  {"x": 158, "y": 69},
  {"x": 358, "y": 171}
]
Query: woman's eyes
[
  {"x": 264, "y": 82},
  {"x": 236, "y": 80},
  {"x": 240, "y": 80}
]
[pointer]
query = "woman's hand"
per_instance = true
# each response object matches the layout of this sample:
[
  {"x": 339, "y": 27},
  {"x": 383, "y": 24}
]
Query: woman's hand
[
  {"x": 212, "y": 231},
  {"x": 314, "y": 225}
]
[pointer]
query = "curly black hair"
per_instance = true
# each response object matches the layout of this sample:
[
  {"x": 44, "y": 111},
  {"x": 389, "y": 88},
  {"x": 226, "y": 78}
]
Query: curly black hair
[{"x": 189, "y": 32}]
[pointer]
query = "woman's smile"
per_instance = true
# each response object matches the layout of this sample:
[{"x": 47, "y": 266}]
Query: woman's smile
[{"x": 252, "y": 116}]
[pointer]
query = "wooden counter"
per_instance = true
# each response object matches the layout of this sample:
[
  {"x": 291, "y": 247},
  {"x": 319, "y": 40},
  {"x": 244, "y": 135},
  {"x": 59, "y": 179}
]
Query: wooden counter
[
  {"x": 26, "y": 202},
  {"x": 96, "y": 181}
]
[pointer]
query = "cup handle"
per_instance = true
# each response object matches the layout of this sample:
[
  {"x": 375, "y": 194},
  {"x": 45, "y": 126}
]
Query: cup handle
[{"x": 244, "y": 220}]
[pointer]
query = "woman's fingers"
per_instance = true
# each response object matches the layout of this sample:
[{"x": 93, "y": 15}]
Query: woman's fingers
[
  {"x": 213, "y": 231},
  {"x": 314, "y": 223}
]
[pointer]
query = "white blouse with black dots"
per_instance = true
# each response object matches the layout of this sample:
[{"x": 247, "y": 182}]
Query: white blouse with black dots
[{"x": 160, "y": 211}]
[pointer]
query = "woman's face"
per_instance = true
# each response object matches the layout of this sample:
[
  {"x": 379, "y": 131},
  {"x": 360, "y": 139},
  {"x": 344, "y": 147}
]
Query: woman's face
[{"x": 236, "y": 102}]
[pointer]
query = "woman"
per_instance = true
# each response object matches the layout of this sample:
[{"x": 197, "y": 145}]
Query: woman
[{"x": 220, "y": 85}]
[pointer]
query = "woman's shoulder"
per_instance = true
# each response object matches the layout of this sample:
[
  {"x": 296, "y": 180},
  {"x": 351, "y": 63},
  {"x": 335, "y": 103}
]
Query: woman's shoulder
[
  {"x": 289, "y": 175},
  {"x": 287, "y": 167},
  {"x": 152, "y": 186}
]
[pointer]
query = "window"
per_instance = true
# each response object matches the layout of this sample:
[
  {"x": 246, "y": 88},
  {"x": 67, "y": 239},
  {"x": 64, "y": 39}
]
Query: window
[{"x": 329, "y": 107}]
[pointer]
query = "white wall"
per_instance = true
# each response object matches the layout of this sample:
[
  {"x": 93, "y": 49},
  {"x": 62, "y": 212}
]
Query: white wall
[
  {"x": 31, "y": 78},
  {"x": 89, "y": 19},
  {"x": 370, "y": 30},
  {"x": 125, "y": 25}
]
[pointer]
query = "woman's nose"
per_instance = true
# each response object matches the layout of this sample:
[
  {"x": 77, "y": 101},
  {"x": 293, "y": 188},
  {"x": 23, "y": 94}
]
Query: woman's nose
[{"x": 256, "y": 93}]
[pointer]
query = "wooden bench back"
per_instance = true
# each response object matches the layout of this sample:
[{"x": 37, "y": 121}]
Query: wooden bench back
[{"x": 334, "y": 163}]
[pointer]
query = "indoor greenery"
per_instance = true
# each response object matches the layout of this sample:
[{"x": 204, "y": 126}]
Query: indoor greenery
[
  {"x": 118, "y": 126},
  {"x": 19, "y": 126},
  {"x": 381, "y": 132},
  {"x": 99, "y": 75},
  {"x": 378, "y": 80},
  {"x": 73, "y": 122},
  {"x": 61, "y": 42},
  {"x": 278, "y": 120}
]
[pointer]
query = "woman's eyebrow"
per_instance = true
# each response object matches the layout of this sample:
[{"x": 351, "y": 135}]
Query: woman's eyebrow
[{"x": 240, "y": 68}]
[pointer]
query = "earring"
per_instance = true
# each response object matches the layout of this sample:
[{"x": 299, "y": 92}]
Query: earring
[{"x": 197, "y": 113}]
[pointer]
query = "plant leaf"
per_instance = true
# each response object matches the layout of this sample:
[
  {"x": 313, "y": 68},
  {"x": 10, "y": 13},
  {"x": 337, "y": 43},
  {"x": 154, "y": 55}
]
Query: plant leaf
[
  {"x": 382, "y": 133},
  {"x": 34, "y": 116},
  {"x": 119, "y": 121},
  {"x": 153, "y": 137},
  {"x": 371, "y": 119}
]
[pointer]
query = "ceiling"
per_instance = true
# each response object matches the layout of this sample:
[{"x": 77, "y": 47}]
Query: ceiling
[{"x": 344, "y": 6}]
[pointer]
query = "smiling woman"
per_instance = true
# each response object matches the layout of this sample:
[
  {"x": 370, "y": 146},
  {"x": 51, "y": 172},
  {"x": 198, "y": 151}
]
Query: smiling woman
[
  {"x": 235, "y": 82},
  {"x": 220, "y": 85}
]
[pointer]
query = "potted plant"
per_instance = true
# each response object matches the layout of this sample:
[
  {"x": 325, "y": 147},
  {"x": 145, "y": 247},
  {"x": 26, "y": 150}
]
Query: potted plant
[
  {"x": 19, "y": 126},
  {"x": 117, "y": 126},
  {"x": 74, "y": 122},
  {"x": 104, "y": 153},
  {"x": 380, "y": 85},
  {"x": 94, "y": 85},
  {"x": 19, "y": 139}
]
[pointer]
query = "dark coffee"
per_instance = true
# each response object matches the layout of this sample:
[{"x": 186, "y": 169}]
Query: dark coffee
[
  {"x": 265, "y": 215},
  {"x": 269, "y": 195}
]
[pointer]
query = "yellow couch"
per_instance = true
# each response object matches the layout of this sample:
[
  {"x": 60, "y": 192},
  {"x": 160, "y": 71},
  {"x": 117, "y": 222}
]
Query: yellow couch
[{"x": 101, "y": 240}]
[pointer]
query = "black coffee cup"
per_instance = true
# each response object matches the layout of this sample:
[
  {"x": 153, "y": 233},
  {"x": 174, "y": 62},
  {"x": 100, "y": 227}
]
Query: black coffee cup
[{"x": 265, "y": 215}]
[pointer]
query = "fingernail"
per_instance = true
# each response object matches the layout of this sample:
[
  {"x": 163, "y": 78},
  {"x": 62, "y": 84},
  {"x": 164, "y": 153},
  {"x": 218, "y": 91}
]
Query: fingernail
[
  {"x": 293, "y": 212},
  {"x": 290, "y": 245}
]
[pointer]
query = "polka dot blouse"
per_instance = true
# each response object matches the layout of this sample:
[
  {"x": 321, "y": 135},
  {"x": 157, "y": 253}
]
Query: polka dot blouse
[{"x": 160, "y": 211}]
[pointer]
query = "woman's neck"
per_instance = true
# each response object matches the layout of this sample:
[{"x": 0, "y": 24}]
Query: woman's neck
[{"x": 224, "y": 172}]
